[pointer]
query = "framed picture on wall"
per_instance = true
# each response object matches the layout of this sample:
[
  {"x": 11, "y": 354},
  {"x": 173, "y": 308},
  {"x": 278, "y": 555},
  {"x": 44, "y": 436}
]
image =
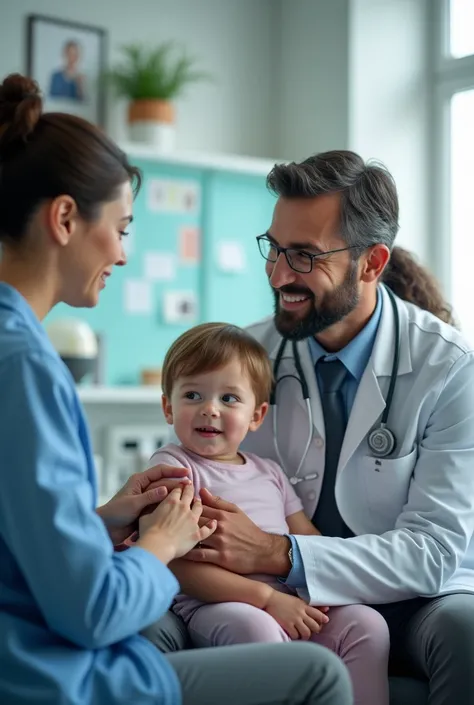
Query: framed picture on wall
[{"x": 67, "y": 60}]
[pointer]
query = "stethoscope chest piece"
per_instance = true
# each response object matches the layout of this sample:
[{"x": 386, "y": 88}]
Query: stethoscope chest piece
[{"x": 381, "y": 442}]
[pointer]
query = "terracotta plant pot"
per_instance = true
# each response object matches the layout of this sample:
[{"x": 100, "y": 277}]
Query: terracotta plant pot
[
  {"x": 153, "y": 122},
  {"x": 152, "y": 110}
]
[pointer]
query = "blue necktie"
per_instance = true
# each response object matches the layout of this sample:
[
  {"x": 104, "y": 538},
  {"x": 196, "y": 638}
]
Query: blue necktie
[{"x": 332, "y": 375}]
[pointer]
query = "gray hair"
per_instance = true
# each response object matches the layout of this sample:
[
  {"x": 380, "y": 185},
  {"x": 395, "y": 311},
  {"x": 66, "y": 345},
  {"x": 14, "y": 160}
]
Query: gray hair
[{"x": 369, "y": 201}]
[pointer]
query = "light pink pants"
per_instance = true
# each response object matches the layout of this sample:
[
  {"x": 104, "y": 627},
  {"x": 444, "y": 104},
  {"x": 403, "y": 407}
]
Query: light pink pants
[{"x": 356, "y": 633}]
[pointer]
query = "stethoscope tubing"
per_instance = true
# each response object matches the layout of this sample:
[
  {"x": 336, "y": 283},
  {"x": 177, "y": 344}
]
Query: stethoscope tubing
[{"x": 300, "y": 377}]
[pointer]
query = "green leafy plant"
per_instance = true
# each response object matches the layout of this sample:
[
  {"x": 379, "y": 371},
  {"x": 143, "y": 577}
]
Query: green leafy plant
[{"x": 159, "y": 74}]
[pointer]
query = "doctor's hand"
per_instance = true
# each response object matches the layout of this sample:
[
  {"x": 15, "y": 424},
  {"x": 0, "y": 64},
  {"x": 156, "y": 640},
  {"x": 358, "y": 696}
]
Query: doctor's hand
[
  {"x": 141, "y": 493},
  {"x": 298, "y": 619},
  {"x": 238, "y": 544}
]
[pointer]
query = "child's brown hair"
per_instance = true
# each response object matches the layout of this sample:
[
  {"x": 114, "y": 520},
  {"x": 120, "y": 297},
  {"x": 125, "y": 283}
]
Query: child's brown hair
[{"x": 211, "y": 346}]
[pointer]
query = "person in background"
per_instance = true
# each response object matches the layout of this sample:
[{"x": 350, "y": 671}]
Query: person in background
[
  {"x": 68, "y": 82},
  {"x": 71, "y": 608},
  {"x": 412, "y": 282},
  {"x": 217, "y": 382}
]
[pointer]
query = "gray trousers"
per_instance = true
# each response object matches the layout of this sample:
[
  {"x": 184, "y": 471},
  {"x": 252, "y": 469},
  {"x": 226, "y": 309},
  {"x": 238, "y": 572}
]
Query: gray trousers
[
  {"x": 297, "y": 673},
  {"x": 432, "y": 650}
]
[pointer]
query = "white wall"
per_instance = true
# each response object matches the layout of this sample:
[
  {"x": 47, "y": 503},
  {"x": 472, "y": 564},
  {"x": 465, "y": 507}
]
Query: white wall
[
  {"x": 313, "y": 77},
  {"x": 389, "y": 103},
  {"x": 294, "y": 77},
  {"x": 355, "y": 74},
  {"x": 234, "y": 38}
]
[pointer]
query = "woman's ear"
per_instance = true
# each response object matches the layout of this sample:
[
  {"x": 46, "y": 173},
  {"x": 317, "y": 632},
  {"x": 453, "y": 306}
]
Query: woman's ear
[
  {"x": 258, "y": 416},
  {"x": 167, "y": 409},
  {"x": 61, "y": 217}
]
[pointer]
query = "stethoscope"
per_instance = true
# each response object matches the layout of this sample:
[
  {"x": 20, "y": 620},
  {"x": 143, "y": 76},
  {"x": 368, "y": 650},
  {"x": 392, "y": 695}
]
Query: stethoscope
[{"x": 381, "y": 440}]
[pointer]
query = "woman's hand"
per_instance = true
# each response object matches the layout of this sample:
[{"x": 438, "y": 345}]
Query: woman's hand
[
  {"x": 172, "y": 529},
  {"x": 298, "y": 619},
  {"x": 142, "y": 490}
]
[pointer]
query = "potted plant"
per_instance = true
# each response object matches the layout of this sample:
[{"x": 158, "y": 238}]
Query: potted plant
[{"x": 151, "y": 79}]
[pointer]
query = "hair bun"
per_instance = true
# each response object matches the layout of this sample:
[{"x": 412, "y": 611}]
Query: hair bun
[{"x": 20, "y": 109}]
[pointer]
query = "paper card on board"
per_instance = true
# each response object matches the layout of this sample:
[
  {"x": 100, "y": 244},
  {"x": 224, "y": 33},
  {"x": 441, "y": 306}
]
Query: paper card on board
[
  {"x": 231, "y": 256},
  {"x": 160, "y": 266},
  {"x": 189, "y": 245},
  {"x": 138, "y": 296},
  {"x": 180, "y": 307}
]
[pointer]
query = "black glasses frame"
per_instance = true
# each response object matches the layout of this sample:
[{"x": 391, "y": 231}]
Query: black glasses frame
[{"x": 284, "y": 251}]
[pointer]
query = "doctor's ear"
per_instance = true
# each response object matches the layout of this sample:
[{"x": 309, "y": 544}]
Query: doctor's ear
[
  {"x": 167, "y": 409},
  {"x": 374, "y": 262},
  {"x": 258, "y": 416}
]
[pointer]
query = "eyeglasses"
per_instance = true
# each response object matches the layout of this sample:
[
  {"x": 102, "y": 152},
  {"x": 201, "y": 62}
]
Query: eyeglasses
[{"x": 299, "y": 260}]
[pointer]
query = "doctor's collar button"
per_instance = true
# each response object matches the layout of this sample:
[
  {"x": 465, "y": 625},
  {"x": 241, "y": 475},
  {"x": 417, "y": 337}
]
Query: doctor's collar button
[
  {"x": 311, "y": 495},
  {"x": 319, "y": 442}
]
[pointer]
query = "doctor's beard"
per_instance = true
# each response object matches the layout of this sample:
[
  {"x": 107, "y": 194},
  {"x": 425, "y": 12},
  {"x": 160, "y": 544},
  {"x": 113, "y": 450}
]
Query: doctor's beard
[{"x": 334, "y": 306}]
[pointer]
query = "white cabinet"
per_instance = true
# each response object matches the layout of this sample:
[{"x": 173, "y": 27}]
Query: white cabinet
[{"x": 126, "y": 426}]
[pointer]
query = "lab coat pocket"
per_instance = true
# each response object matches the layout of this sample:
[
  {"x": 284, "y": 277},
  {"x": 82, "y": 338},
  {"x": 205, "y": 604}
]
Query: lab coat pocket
[{"x": 387, "y": 481}]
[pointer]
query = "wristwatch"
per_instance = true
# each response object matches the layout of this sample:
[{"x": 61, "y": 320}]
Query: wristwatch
[{"x": 290, "y": 555}]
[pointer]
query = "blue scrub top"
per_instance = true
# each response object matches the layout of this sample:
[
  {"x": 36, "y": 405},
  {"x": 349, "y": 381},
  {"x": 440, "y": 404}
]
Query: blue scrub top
[{"x": 70, "y": 607}]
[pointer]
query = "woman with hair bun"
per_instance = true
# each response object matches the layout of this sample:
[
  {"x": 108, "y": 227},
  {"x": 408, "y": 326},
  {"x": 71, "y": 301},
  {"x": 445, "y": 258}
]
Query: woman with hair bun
[
  {"x": 412, "y": 282},
  {"x": 72, "y": 607}
]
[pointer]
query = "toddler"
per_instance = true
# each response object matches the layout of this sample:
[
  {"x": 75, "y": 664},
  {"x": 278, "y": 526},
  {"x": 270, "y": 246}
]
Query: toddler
[{"x": 216, "y": 382}]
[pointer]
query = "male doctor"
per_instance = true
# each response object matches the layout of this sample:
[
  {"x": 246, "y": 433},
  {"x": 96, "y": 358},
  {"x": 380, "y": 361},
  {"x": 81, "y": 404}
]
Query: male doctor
[{"x": 397, "y": 530}]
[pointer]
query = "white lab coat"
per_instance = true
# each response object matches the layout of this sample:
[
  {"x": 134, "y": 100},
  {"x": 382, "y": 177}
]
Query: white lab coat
[{"x": 412, "y": 514}]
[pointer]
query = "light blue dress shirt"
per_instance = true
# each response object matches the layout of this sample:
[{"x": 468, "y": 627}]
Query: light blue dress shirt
[
  {"x": 354, "y": 357},
  {"x": 70, "y": 607}
]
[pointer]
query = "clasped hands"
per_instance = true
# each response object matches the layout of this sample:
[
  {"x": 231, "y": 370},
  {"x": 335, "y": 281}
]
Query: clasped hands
[
  {"x": 231, "y": 546},
  {"x": 140, "y": 494},
  {"x": 237, "y": 544}
]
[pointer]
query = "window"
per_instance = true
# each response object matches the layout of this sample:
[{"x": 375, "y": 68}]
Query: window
[
  {"x": 462, "y": 211},
  {"x": 453, "y": 196},
  {"x": 461, "y": 28}
]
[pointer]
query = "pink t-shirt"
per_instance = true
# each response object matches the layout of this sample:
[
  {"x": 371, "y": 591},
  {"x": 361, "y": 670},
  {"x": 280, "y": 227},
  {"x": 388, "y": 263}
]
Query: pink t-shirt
[{"x": 259, "y": 488}]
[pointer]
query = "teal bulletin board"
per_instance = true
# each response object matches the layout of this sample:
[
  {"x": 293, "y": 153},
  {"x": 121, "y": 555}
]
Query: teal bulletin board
[
  {"x": 237, "y": 209},
  {"x": 190, "y": 227}
]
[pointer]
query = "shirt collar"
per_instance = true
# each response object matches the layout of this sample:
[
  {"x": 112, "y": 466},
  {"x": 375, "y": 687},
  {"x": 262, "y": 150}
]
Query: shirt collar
[
  {"x": 10, "y": 298},
  {"x": 355, "y": 355}
]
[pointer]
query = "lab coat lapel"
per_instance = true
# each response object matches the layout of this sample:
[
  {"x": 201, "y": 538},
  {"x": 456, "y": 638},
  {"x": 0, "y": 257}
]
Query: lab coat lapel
[
  {"x": 369, "y": 404},
  {"x": 370, "y": 401}
]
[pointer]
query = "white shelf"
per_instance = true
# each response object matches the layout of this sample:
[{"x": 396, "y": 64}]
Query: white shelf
[
  {"x": 119, "y": 395},
  {"x": 217, "y": 162}
]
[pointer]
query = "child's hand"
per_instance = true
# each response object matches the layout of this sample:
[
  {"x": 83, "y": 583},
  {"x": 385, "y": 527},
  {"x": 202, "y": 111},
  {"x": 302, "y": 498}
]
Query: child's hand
[
  {"x": 172, "y": 529},
  {"x": 298, "y": 619}
]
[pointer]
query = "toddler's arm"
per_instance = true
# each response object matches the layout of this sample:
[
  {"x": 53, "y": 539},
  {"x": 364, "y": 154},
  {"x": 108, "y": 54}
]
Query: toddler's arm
[
  {"x": 211, "y": 583},
  {"x": 300, "y": 525}
]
